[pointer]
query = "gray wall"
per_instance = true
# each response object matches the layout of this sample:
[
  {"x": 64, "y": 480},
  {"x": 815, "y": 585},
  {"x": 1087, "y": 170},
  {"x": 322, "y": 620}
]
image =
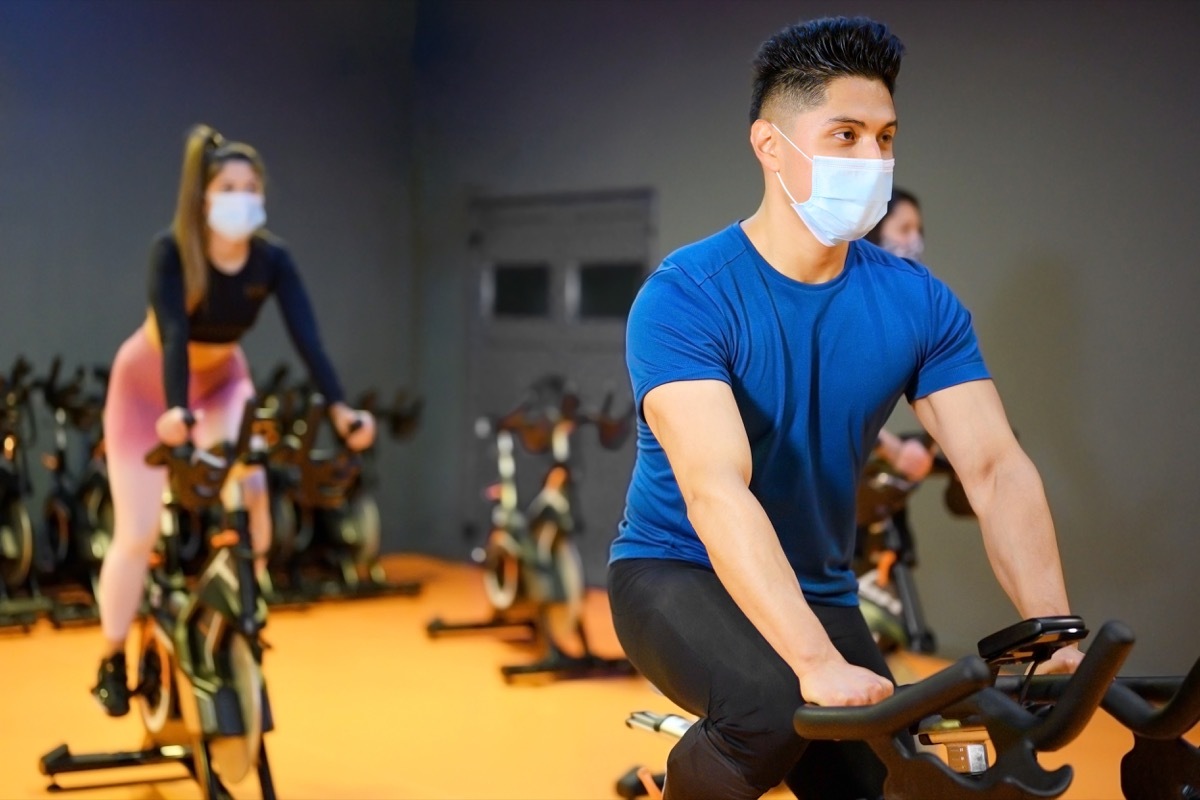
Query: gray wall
[
  {"x": 1049, "y": 143},
  {"x": 95, "y": 99}
]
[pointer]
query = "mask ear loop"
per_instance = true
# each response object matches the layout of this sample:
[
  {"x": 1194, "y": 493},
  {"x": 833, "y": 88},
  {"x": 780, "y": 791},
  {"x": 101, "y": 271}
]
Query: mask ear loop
[
  {"x": 789, "y": 141},
  {"x": 798, "y": 150},
  {"x": 785, "y": 189}
]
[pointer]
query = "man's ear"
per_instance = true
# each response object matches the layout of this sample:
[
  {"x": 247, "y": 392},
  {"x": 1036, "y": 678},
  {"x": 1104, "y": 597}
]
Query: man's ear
[{"x": 765, "y": 142}]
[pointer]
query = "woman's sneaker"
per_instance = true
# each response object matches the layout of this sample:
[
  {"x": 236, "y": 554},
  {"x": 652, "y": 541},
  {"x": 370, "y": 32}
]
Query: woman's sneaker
[{"x": 111, "y": 687}]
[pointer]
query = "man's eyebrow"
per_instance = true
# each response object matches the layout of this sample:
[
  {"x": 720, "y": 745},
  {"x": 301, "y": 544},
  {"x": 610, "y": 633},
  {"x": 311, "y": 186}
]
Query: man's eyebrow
[{"x": 852, "y": 121}]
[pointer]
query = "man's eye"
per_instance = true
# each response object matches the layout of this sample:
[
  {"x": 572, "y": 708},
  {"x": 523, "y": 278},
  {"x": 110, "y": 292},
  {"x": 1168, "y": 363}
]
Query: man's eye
[{"x": 845, "y": 136}]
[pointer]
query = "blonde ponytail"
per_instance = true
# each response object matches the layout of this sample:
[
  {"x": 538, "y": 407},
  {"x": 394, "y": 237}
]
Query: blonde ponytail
[{"x": 188, "y": 225}]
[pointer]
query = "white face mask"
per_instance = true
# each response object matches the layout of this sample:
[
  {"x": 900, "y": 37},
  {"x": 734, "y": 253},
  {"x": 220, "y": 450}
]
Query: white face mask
[
  {"x": 849, "y": 195},
  {"x": 912, "y": 248},
  {"x": 236, "y": 215}
]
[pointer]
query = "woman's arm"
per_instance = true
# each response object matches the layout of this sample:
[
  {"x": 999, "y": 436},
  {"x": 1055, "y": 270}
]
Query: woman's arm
[
  {"x": 301, "y": 325},
  {"x": 168, "y": 304},
  {"x": 357, "y": 428}
]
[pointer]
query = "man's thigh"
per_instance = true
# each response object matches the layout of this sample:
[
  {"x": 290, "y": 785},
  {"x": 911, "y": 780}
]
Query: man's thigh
[{"x": 683, "y": 631}]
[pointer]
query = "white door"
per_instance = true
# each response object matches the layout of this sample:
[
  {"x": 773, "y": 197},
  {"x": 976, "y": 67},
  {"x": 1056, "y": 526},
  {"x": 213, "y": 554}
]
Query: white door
[{"x": 554, "y": 279}]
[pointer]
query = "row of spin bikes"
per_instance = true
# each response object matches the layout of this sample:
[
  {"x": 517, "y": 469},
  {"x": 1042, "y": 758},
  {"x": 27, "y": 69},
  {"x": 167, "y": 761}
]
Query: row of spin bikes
[
  {"x": 325, "y": 544},
  {"x": 201, "y": 693}
]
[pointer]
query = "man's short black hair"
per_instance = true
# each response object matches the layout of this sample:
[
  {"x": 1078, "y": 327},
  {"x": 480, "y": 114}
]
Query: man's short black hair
[{"x": 794, "y": 66}]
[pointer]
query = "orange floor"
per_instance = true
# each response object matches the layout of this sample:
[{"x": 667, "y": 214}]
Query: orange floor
[{"x": 368, "y": 707}]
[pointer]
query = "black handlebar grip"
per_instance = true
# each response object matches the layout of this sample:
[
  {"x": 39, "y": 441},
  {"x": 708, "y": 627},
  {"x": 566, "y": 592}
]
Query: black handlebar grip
[
  {"x": 1177, "y": 717},
  {"x": 909, "y": 704},
  {"x": 1086, "y": 688}
]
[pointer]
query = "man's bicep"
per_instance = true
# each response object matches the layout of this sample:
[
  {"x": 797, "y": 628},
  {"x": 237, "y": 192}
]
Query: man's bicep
[
  {"x": 968, "y": 423},
  {"x": 701, "y": 431}
]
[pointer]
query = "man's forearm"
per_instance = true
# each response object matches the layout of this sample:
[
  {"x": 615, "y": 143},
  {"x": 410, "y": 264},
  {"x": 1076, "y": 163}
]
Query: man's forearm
[
  {"x": 1018, "y": 535},
  {"x": 747, "y": 557}
]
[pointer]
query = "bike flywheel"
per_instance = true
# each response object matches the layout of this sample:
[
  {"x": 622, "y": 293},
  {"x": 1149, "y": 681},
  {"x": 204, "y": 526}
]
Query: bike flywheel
[{"x": 235, "y": 757}]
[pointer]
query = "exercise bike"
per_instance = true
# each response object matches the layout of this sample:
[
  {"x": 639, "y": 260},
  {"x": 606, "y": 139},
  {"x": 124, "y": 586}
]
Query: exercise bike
[
  {"x": 21, "y": 600},
  {"x": 327, "y": 542},
  {"x": 978, "y": 732},
  {"x": 200, "y": 683},
  {"x": 77, "y": 511},
  {"x": 400, "y": 421},
  {"x": 886, "y": 554},
  {"x": 533, "y": 574}
]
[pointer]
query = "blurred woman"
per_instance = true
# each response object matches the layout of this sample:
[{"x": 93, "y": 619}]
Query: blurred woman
[{"x": 183, "y": 375}]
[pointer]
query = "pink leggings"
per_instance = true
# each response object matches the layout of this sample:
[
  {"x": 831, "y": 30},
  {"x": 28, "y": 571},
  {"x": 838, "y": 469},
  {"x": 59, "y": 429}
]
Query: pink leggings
[{"x": 135, "y": 401}]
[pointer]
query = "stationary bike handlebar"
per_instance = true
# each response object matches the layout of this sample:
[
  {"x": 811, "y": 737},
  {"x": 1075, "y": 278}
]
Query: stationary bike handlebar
[
  {"x": 1155, "y": 707},
  {"x": 1081, "y": 694},
  {"x": 1085, "y": 689},
  {"x": 16, "y": 378},
  {"x": 534, "y": 421},
  {"x": 82, "y": 411},
  {"x": 195, "y": 476},
  {"x": 321, "y": 480},
  {"x": 612, "y": 430},
  {"x": 401, "y": 418},
  {"x": 1179, "y": 715},
  {"x": 907, "y": 706}
]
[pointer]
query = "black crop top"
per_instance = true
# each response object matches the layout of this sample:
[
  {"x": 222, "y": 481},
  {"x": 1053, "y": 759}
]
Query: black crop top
[{"x": 230, "y": 309}]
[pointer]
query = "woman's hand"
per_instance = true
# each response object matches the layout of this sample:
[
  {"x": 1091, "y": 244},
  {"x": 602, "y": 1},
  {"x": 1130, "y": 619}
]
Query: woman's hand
[
  {"x": 357, "y": 428},
  {"x": 174, "y": 426},
  {"x": 914, "y": 460},
  {"x": 907, "y": 456}
]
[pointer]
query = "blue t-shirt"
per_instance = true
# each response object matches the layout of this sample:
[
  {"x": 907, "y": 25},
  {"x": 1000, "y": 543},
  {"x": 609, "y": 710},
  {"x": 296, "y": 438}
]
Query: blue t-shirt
[{"x": 816, "y": 370}]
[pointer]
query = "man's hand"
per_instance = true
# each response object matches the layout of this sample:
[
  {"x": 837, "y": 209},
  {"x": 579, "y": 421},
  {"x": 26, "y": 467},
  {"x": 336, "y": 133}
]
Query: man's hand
[
  {"x": 838, "y": 683},
  {"x": 1064, "y": 662}
]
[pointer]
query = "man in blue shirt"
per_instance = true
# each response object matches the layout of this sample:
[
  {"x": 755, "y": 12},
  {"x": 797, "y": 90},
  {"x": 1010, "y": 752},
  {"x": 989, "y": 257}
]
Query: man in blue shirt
[{"x": 765, "y": 360}]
